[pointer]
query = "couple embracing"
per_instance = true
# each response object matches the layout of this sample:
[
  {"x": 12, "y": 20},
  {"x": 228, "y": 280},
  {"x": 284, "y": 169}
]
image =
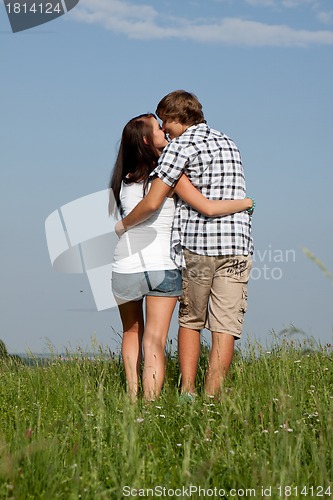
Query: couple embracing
[{"x": 185, "y": 235}]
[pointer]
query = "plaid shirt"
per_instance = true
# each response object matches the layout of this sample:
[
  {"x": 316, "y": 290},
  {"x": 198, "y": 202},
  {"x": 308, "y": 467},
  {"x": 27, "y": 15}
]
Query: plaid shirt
[{"x": 213, "y": 164}]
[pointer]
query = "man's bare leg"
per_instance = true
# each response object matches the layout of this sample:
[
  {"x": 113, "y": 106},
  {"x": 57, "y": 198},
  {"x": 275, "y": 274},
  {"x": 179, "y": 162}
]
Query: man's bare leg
[
  {"x": 188, "y": 352},
  {"x": 220, "y": 358}
]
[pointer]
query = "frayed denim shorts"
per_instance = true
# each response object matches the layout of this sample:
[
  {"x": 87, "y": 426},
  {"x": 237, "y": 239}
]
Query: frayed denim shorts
[{"x": 135, "y": 286}]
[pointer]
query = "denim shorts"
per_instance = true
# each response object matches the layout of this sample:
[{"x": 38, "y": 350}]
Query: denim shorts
[{"x": 135, "y": 286}]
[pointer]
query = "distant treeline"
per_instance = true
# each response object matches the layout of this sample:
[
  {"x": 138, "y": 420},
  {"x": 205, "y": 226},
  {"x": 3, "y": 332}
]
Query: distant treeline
[{"x": 45, "y": 359}]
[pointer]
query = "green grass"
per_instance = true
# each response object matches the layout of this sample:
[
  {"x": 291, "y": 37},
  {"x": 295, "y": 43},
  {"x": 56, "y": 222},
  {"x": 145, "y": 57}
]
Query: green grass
[{"x": 67, "y": 429}]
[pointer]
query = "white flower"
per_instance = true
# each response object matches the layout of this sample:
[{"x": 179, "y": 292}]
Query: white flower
[
  {"x": 139, "y": 420},
  {"x": 284, "y": 426}
]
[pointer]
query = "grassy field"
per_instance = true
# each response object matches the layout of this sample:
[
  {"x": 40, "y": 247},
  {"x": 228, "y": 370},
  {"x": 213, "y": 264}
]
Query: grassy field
[{"x": 68, "y": 431}]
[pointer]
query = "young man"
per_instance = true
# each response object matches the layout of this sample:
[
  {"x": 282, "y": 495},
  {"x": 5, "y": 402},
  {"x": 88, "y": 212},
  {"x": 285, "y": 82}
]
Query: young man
[{"x": 214, "y": 252}]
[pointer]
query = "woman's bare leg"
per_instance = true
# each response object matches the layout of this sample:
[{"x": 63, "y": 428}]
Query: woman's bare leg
[
  {"x": 158, "y": 316},
  {"x": 131, "y": 349}
]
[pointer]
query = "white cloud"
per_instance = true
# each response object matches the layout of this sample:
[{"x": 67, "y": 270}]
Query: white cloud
[
  {"x": 281, "y": 3},
  {"x": 261, "y": 3},
  {"x": 297, "y": 3},
  {"x": 325, "y": 17},
  {"x": 145, "y": 23}
]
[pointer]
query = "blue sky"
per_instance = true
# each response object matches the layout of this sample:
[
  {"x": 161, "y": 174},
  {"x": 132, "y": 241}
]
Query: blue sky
[{"x": 263, "y": 70}]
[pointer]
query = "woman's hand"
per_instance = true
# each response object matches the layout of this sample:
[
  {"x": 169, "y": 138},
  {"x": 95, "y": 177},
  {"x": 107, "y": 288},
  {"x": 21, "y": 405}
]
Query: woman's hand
[{"x": 119, "y": 228}]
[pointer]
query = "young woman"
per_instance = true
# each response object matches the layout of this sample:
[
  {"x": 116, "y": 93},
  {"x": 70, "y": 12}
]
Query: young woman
[{"x": 142, "y": 267}]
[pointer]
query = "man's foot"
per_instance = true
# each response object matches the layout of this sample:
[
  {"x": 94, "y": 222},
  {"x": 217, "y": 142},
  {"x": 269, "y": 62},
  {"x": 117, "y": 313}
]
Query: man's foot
[{"x": 187, "y": 397}]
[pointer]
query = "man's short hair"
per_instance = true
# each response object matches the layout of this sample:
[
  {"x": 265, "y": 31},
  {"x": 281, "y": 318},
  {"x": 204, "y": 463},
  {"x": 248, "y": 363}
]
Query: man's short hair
[{"x": 181, "y": 106}]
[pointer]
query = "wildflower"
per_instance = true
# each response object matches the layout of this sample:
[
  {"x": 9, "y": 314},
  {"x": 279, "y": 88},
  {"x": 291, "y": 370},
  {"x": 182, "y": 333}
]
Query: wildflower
[
  {"x": 286, "y": 427},
  {"x": 179, "y": 444},
  {"x": 28, "y": 433},
  {"x": 265, "y": 431},
  {"x": 139, "y": 420},
  {"x": 208, "y": 434},
  {"x": 158, "y": 407},
  {"x": 162, "y": 416},
  {"x": 298, "y": 361}
]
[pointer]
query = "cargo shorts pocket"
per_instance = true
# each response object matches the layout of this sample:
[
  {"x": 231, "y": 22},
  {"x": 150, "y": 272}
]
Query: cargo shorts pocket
[
  {"x": 243, "y": 306},
  {"x": 183, "y": 300}
]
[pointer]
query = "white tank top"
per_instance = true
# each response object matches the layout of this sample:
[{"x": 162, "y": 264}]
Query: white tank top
[{"x": 145, "y": 247}]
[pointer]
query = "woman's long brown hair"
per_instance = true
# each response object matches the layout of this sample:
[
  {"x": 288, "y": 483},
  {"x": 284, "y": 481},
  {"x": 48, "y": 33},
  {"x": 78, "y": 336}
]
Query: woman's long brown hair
[{"x": 137, "y": 157}]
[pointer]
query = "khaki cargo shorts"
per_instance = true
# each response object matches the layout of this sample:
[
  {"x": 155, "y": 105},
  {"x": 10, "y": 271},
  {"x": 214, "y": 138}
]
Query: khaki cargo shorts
[{"x": 215, "y": 292}]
